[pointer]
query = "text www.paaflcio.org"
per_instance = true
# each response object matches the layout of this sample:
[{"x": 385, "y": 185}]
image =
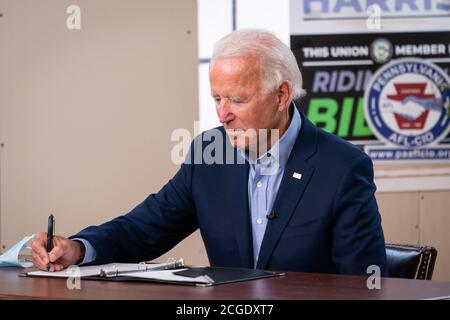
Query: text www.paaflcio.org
[{"x": 410, "y": 154}]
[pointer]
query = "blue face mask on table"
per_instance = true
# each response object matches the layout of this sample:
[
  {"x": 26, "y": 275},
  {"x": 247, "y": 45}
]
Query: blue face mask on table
[{"x": 11, "y": 257}]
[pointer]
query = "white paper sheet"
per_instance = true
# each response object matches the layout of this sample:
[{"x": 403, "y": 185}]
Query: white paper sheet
[
  {"x": 87, "y": 271},
  {"x": 167, "y": 275}
]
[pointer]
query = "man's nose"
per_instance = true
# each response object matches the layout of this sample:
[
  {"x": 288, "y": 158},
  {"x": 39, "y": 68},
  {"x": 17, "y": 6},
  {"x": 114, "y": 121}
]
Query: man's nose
[{"x": 224, "y": 112}]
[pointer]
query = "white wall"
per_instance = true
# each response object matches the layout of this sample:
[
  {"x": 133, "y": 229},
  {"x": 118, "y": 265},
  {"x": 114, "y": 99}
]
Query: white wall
[{"x": 217, "y": 18}]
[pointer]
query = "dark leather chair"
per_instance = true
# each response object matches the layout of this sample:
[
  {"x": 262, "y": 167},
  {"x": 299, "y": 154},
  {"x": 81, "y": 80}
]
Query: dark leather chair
[{"x": 410, "y": 261}]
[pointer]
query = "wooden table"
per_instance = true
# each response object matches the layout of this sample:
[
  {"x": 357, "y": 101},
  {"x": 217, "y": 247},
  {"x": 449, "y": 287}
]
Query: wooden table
[{"x": 294, "y": 285}]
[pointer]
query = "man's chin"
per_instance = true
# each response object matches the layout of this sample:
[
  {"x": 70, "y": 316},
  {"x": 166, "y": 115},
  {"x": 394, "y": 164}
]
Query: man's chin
[{"x": 237, "y": 143}]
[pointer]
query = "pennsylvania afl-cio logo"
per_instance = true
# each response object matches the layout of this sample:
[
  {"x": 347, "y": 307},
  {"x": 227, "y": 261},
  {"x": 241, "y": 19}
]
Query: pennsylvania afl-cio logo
[{"x": 405, "y": 103}]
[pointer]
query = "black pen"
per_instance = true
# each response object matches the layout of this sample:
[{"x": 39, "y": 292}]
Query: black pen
[{"x": 50, "y": 231}]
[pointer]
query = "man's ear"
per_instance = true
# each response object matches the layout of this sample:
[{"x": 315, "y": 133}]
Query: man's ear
[{"x": 283, "y": 94}]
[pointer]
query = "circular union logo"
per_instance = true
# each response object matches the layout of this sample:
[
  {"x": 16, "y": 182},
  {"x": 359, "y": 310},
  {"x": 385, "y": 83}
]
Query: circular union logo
[
  {"x": 381, "y": 50},
  {"x": 405, "y": 103}
]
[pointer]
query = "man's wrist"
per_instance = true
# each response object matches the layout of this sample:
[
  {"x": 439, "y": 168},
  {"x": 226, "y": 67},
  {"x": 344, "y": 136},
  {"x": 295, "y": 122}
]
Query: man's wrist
[{"x": 81, "y": 251}]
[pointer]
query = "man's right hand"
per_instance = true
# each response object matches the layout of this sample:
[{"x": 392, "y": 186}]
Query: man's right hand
[{"x": 65, "y": 252}]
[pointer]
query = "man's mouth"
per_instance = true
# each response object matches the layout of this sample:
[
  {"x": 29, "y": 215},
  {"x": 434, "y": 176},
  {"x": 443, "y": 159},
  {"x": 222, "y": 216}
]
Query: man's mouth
[{"x": 235, "y": 132}]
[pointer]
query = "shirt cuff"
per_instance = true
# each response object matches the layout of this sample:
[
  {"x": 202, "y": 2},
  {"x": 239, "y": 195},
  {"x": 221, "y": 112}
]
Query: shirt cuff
[{"x": 89, "y": 252}]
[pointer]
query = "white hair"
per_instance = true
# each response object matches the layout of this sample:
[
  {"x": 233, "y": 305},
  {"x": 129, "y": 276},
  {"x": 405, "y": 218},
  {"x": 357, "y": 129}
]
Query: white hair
[{"x": 277, "y": 62}]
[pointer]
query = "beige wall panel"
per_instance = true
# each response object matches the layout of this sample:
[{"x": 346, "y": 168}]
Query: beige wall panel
[
  {"x": 400, "y": 216},
  {"x": 86, "y": 115},
  {"x": 435, "y": 229}
]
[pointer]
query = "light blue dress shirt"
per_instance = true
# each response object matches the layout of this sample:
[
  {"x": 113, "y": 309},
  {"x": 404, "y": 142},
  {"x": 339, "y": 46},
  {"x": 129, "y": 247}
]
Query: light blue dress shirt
[
  {"x": 264, "y": 181},
  {"x": 89, "y": 252}
]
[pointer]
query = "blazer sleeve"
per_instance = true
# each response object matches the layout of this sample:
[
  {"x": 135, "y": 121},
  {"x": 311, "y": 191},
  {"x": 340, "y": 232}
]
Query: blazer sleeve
[
  {"x": 150, "y": 229},
  {"x": 357, "y": 235}
]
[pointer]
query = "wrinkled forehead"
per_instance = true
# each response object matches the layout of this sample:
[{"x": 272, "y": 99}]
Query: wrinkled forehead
[
  {"x": 240, "y": 69},
  {"x": 234, "y": 76}
]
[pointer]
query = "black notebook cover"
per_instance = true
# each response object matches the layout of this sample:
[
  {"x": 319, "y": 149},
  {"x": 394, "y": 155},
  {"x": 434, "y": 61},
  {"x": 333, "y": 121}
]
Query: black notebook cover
[
  {"x": 227, "y": 275},
  {"x": 219, "y": 275}
]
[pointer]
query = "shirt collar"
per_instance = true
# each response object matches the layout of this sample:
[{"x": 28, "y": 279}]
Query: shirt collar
[{"x": 281, "y": 150}]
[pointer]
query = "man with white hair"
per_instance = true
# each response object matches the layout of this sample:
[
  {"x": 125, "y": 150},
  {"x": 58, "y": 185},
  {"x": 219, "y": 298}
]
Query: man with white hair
[{"x": 293, "y": 198}]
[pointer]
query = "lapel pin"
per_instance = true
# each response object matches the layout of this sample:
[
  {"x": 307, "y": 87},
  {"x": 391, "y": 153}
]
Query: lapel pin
[{"x": 297, "y": 175}]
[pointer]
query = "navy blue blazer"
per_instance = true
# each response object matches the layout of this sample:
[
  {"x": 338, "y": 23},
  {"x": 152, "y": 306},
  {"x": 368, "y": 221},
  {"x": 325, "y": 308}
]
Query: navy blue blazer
[{"x": 327, "y": 221}]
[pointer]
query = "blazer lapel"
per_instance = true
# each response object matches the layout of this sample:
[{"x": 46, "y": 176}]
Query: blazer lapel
[
  {"x": 238, "y": 208},
  {"x": 291, "y": 189},
  {"x": 240, "y": 214}
]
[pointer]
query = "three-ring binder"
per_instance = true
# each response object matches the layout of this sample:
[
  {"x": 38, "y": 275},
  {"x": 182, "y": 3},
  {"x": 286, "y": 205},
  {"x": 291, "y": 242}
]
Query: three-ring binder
[
  {"x": 198, "y": 276},
  {"x": 144, "y": 266}
]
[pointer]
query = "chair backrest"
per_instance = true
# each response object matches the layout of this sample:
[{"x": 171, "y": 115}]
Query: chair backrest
[{"x": 410, "y": 261}]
